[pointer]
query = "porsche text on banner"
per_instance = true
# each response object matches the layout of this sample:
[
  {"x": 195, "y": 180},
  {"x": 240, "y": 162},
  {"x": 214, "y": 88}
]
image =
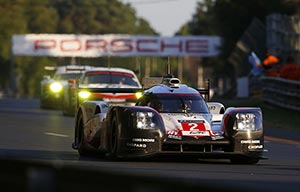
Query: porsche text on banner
[{"x": 68, "y": 45}]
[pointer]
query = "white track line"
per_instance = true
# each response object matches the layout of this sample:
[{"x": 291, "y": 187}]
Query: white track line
[{"x": 55, "y": 134}]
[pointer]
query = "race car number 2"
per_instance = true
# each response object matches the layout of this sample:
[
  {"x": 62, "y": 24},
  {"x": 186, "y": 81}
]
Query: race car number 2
[
  {"x": 194, "y": 129},
  {"x": 186, "y": 126}
]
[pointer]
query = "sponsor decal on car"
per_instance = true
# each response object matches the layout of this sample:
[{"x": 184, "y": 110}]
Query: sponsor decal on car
[
  {"x": 250, "y": 141},
  {"x": 217, "y": 137},
  {"x": 174, "y": 134},
  {"x": 136, "y": 145},
  {"x": 255, "y": 146},
  {"x": 146, "y": 140},
  {"x": 194, "y": 129}
]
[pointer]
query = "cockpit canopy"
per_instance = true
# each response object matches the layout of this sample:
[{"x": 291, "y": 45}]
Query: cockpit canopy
[{"x": 175, "y": 103}]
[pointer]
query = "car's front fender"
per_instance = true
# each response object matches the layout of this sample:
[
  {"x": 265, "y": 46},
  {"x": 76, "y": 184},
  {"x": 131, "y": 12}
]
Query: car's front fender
[{"x": 248, "y": 137}]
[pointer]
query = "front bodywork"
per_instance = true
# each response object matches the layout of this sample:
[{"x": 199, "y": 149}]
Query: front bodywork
[{"x": 189, "y": 134}]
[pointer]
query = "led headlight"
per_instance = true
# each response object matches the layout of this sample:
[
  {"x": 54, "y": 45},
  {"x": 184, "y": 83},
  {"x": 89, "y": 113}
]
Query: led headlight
[
  {"x": 144, "y": 120},
  {"x": 244, "y": 122},
  {"x": 56, "y": 87},
  {"x": 84, "y": 94},
  {"x": 138, "y": 95}
]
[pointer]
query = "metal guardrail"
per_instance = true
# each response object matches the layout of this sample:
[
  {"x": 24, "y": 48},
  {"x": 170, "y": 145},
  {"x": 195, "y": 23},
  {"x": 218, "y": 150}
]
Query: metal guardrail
[{"x": 281, "y": 92}]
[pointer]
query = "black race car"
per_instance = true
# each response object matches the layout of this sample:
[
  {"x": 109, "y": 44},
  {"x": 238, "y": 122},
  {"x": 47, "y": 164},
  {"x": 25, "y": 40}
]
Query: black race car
[{"x": 170, "y": 119}]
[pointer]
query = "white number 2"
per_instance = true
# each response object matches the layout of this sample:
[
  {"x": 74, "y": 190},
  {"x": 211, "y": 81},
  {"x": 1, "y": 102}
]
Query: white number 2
[{"x": 193, "y": 126}]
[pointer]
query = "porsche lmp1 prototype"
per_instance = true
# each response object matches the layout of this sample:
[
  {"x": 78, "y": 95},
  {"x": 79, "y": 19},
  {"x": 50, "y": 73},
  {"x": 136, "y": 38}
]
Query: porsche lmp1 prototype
[
  {"x": 52, "y": 88},
  {"x": 170, "y": 119},
  {"x": 117, "y": 86}
]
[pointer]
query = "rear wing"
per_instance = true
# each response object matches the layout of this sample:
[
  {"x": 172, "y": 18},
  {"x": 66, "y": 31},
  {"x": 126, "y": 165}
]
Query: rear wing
[
  {"x": 112, "y": 90},
  {"x": 66, "y": 68},
  {"x": 49, "y": 72},
  {"x": 50, "y": 68},
  {"x": 77, "y": 68}
]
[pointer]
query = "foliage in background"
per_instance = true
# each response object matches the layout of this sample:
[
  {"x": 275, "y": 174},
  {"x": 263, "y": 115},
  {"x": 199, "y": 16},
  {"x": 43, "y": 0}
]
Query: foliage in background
[
  {"x": 59, "y": 16},
  {"x": 226, "y": 18}
]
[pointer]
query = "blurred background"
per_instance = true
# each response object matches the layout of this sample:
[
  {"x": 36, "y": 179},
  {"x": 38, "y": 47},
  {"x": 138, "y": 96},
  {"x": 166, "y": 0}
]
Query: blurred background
[{"x": 245, "y": 27}]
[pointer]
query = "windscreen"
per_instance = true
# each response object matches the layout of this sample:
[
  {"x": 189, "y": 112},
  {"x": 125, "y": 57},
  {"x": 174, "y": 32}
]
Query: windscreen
[
  {"x": 103, "y": 77},
  {"x": 179, "y": 103}
]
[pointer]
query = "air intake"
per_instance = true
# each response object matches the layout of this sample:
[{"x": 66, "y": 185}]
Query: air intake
[{"x": 174, "y": 82}]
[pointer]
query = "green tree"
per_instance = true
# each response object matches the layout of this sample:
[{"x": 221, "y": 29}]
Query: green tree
[
  {"x": 12, "y": 21},
  {"x": 41, "y": 18},
  {"x": 59, "y": 16},
  {"x": 202, "y": 22}
]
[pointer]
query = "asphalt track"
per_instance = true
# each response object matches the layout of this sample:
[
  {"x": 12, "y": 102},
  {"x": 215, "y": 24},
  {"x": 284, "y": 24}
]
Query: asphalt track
[{"x": 36, "y": 155}]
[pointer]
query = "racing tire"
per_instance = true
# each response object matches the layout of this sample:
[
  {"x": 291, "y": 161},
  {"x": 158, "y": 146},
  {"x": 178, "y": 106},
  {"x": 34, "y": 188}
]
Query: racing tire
[
  {"x": 68, "y": 109},
  {"x": 114, "y": 139},
  {"x": 43, "y": 104},
  {"x": 244, "y": 160},
  {"x": 82, "y": 149},
  {"x": 64, "y": 109}
]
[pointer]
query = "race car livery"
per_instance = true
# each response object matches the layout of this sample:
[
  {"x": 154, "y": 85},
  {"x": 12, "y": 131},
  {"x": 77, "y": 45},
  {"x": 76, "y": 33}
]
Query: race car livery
[
  {"x": 170, "y": 119},
  {"x": 117, "y": 86},
  {"x": 52, "y": 89}
]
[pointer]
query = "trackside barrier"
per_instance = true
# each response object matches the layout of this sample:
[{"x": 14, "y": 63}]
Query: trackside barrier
[
  {"x": 281, "y": 92},
  {"x": 59, "y": 176}
]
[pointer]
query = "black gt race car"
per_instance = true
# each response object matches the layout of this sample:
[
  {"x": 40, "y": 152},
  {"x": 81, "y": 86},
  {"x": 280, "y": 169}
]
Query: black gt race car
[
  {"x": 170, "y": 119},
  {"x": 52, "y": 88}
]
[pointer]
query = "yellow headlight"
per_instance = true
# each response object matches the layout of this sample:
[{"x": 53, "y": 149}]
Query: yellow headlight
[
  {"x": 56, "y": 87},
  {"x": 84, "y": 94},
  {"x": 138, "y": 95}
]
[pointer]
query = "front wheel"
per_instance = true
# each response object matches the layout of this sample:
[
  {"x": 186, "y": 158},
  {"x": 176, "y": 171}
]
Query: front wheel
[
  {"x": 82, "y": 149},
  {"x": 114, "y": 139}
]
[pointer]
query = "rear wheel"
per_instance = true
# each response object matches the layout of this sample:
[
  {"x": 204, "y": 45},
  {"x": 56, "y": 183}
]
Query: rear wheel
[
  {"x": 43, "y": 103},
  {"x": 64, "y": 108}
]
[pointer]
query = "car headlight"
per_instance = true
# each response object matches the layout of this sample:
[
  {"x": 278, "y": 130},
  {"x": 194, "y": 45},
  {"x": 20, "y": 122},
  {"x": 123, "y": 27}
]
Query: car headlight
[
  {"x": 56, "y": 87},
  {"x": 144, "y": 120},
  {"x": 84, "y": 94},
  {"x": 244, "y": 122},
  {"x": 138, "y": 95}
]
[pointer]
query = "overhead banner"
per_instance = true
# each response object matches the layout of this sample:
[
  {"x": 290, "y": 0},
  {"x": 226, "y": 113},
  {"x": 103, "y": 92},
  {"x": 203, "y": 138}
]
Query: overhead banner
[{"x": 64, "y": 45}]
